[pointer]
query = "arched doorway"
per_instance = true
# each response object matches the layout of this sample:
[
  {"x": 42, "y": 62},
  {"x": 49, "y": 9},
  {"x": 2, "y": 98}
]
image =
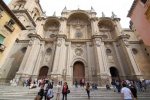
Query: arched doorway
[
  {"x": 43, "y": 72},
  {"x": 78, "y": 71},
  {"x": 114, "y": 73}
]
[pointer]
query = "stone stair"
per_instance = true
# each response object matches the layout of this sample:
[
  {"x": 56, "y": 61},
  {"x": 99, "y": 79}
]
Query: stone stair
[{"x": 24, "y": 93}]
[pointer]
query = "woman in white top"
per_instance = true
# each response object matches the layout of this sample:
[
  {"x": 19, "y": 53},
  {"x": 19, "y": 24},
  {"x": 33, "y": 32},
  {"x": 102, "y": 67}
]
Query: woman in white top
[
  {"x": 50, "y": 93},
  {"x": 58, "y": 91}
]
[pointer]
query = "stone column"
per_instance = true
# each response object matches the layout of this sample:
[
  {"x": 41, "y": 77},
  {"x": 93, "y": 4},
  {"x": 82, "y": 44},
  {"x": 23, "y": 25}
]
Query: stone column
[
  {"x": 23, "y": 63},
  {"x": 136, "y": 69},
  {"x": 31, "y": 61},
  {"x": 63, "y": 25},
  {"x": 68, "y": 47},
  {"x": 101, "y": 60},
  {"x": 118, "y": 28},
  {"x": 119, "y": 59},
  {"x": 38, "y": 60},
  {"x": 60, "y": 57}
]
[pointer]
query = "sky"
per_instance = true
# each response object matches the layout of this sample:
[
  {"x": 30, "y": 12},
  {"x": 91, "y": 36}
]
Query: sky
[{"x": 119, "y": 7}]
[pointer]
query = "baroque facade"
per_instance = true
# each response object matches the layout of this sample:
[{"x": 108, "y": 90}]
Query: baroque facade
[{"x": 72, "y": 46}]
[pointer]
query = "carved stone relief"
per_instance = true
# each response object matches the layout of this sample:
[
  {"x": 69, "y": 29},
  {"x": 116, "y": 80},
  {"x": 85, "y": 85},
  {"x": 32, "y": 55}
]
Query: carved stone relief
[
  {"x": 78, "y": 51},
  {"x": 59, "y": 42},
  {"x": 98, "y": 43}
]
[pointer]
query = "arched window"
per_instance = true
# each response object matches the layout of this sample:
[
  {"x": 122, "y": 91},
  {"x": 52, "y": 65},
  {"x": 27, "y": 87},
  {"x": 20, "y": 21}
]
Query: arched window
[
  {"x": 108, "y": 51},
  {"x": 135, "y": 51},
  {"x": 24, "y": 49},
  {"x": 49, "y": 50}
]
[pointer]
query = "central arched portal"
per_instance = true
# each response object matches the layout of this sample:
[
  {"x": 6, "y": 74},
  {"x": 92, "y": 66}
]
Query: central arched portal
[{"x": 78, "y": 71}]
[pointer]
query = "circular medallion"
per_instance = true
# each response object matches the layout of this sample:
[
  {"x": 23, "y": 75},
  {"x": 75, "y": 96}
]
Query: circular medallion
[{"x": 78, "y": 51}]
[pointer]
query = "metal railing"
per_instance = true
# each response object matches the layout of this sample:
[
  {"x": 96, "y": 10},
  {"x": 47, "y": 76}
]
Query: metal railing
[{"x": 9, "y": 27}]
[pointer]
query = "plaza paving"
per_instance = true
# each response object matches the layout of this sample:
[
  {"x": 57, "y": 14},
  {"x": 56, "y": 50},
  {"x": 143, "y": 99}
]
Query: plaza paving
[{"x": 24, "y": 93}]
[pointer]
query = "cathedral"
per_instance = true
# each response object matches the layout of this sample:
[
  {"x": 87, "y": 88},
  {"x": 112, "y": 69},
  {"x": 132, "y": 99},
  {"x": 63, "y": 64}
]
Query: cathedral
[{"x": 73, "y": 46}]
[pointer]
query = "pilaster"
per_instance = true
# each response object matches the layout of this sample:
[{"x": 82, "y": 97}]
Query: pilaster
[
  {"x": 100, "y": 55},
  {"x": 133, "y": 62},
  {"x": 94, "y": 25},
  {"x": 60, "y": 56}
]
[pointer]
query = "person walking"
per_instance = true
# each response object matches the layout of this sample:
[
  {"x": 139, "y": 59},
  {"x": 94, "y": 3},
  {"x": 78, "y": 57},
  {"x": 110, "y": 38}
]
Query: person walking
[
  {"x": 58, "y": 91},
  {"x": 41, "y": 92},
  {"x": 50, "y": 93},
  {"x": 134, "y": 91},
  {"x": 126, "y": 93},
  {"x": 64, "y": 91},
  {"x": 88, "y": 90}
]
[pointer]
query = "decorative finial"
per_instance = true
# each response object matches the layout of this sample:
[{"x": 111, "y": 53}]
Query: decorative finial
[
  {"x": 103, "y": 15},
  {"x": 78, "y": 7},
  {"x": 65, "y": 9},
  {"x": 92, "y": 9},
  {"x": 54, "y": 14},
  {"x": 44, "y": 13}
]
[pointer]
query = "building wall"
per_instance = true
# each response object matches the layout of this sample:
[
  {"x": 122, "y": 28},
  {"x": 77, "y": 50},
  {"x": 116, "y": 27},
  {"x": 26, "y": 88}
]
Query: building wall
[
  {"x": 10, "y": 37},
  {"x": 140, "y": 21}
]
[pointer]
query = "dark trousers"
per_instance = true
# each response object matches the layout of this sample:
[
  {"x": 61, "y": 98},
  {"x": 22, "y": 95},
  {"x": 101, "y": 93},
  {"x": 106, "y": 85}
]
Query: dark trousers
[
  {"x": 88, "y": 93},
  {"x": 64, "y": 96}
]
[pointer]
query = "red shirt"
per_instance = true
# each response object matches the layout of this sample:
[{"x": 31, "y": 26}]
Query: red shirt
[{"x": 64, "y": 89}]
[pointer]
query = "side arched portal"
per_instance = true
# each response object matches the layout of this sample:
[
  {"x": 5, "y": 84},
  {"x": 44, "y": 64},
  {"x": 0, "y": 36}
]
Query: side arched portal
[
  {"x": 114, "y": 73},
  {"x": 43, "y": 72},
  {"x": 78, "y": 71}
]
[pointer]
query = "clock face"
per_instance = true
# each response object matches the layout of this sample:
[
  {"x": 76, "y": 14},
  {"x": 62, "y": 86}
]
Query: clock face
[{"x": 79, "y": 35}]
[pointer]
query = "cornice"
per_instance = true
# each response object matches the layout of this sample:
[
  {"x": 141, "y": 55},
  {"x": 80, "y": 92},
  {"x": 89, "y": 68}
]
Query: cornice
[
  {"x": 132, "y": 7},
  {"x": 123, "y": 37},
  {"x": 77, "y": 40},
  {"x": 134, "y": 42},
  {"x": 35, "y": 35},
  {"x": 94, "y": 18},
  {"x": 27, "y": 13},
  {"x": 61, "y": 36}
]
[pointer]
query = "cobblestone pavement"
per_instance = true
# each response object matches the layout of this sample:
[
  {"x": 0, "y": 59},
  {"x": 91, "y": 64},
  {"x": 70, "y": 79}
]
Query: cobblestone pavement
[{"x": 24, "y": 93}]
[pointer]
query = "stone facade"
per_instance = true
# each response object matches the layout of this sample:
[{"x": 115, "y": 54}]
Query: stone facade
[{"x": 75, "y": 45}]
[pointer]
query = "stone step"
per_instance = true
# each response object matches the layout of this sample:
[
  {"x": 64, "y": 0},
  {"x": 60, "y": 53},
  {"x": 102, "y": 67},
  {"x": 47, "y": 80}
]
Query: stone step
[{"x": 24, "y": 93}]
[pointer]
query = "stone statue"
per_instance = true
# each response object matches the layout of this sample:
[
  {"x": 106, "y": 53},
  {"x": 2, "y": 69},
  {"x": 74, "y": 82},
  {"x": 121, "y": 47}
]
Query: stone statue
[
  {"x": 113, "y": 15},
  {"x": 103, "y": 15}
]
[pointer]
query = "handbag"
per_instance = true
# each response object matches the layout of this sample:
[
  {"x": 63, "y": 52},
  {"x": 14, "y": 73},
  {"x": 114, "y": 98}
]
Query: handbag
[
  {"x": 37, "y": 97},
  {"x": 68, "y": 91}
]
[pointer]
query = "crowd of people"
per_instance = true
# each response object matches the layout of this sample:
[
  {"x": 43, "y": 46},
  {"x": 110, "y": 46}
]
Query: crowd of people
[{"x": 127, "y": 88}]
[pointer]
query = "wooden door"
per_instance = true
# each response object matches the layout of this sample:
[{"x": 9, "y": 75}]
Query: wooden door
[
  {"x": 78, "y": 71},
  {"x": 43, "y": 72}
]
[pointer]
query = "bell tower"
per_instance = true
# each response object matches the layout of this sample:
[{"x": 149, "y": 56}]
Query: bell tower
[{"x": 27, "y": 11}]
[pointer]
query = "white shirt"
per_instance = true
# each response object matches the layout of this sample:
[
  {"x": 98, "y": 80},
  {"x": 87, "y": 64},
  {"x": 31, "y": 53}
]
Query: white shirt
[
  {"x": 58, "y": 90},
  {"x": 126, "y": 92}
]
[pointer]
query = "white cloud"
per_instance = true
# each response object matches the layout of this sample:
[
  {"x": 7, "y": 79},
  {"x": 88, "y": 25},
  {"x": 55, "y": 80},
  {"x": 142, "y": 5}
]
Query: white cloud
[{"x": 119, "y": 7}]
